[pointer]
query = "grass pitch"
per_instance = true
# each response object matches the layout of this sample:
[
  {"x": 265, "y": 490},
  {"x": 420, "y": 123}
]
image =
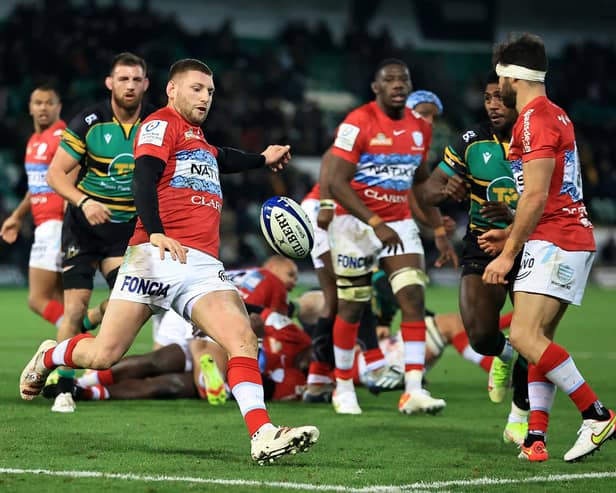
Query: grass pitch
[{"x": 170, "y": 446}]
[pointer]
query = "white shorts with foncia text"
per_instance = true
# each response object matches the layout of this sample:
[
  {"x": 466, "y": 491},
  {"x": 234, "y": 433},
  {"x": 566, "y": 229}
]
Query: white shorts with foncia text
[
  {"x": 321, "y": 242},
  {"x": 163, "y": 284},
  {"x": 550, "y": 270},
  {"x": 46, "y": 251},
  {"x": 356, "y": 249}
]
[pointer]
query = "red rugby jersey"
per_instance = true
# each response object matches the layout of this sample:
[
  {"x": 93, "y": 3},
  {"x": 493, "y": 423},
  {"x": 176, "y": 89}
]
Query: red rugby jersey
[
  {"x": 543, "y": 130},
  {"x": 45, "y": 204},
  {"x": 189, "y": 193},
  {"x": 387, "y": 153}
]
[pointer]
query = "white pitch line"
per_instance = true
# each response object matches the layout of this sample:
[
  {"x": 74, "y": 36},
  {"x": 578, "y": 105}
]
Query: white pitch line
[{"x": 413, "y": 487}]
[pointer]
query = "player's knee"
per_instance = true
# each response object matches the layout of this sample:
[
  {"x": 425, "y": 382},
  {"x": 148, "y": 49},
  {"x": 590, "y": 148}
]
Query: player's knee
[{"x": 75, "y": 309}]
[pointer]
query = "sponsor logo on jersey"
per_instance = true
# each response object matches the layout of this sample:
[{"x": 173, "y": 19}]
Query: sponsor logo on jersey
[
  {"x": 190, "y": 134},
  {"x": 107, "y": 137},
  {"x": 40, "y": 150},
  {"x": 198, "y": 170},
  {"x": 381, "y": 140},
  {"x": 468, "y": 135},
  {"x": 346, "y": 136},
  {"x": 418, "y": 138},
  {"x": 502, "y": 189},
  {"x": 526, "y": 130},
  {"x": 385, "y": 197},
  {"x": 398, "y": 132},
  {"x": 153, "y": 133},
  {"x": 145, "y": 286},
  {"x": 352, "y": 262},
  {"x": 91, "y": 118},
  {"x": 486, "y": 157}
]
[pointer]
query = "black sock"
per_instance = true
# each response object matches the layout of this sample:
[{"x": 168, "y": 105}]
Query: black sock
[
  {"x": 366, "y": 334},
  {"x": 322, "y": 341},
  {"x": 534, "y": 436},
  {"x": 596, "y": 411},
  {"x": 520, "y": 384},
  {"x": 65, "y": 385}
]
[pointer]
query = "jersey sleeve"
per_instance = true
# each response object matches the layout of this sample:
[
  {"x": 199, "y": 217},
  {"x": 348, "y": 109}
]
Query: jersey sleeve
[
  {"x": 74, "y": 135},
  {"x": 453, "y": 157},
  {"x": 427, "y": 131},
  {"x": 540, "y": 136},
  {"x": 155, "y": 138},
  {"x": 350, "y": 139}
]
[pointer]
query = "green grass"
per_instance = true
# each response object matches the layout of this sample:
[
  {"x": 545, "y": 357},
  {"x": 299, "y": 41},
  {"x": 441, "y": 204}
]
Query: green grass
[{"x": 380, "y": 447}]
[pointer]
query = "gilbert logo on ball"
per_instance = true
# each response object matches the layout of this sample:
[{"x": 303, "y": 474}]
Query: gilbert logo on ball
[{"x": 286, "y": 227}]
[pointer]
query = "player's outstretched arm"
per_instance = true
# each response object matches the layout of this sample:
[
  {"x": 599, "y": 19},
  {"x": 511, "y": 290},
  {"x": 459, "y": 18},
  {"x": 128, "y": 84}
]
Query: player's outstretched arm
[{"x": 277, "y": 157}]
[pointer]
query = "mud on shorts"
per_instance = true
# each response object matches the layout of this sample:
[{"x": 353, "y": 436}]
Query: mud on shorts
[
  {"x": 356, "y": 249},
  {"x": 84, "y": 246}
]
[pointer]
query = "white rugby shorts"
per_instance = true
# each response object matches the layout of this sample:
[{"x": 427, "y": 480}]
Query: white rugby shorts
[
  {"x": 321, "y": 241},
  {"x": 46, "y": 251},
  {"x": 550, "y": 270},
  {"x": 356, "y": 249},
  {"x": 164, "y": 284}
]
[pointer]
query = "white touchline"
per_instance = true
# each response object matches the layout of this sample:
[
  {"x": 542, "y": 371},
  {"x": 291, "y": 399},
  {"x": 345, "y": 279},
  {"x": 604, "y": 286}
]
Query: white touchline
[{"x": 413, "y": 487}]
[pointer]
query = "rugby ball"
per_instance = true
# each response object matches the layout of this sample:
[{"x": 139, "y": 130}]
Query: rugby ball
[{"x": 286, "y": 227}]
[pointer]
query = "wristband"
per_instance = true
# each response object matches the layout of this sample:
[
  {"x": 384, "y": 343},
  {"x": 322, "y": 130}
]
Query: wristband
[
  {"x": 327, "y": 204},
  {"x": 82, "y": 201},
  {"x": 375, "y": 220},
  {"x": 440, "y": 231}
]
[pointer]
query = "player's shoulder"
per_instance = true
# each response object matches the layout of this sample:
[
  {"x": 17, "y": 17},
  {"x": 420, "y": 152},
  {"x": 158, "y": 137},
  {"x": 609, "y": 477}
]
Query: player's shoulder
[
  {"x": 476, "y": 132},
  {"x": 93, "y": 114}
]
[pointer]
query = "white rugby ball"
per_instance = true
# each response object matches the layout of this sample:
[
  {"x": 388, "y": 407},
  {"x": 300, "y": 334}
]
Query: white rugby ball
[{"x": 286, "y": 227}]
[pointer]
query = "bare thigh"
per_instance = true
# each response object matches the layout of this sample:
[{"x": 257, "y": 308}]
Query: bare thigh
[
  {"x": 535, "y": 318},
  {"x": 222, "y": 315},
  {"x": 44, "y": 285}
]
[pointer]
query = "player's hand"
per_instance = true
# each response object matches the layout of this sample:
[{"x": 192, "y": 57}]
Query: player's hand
[
  {"x": 389, "y": 238},
  {"x": 456, "y": 188},
  {"x": 277, "y": 157},
  {"x": 96, "y": 212},
  {"x": 493, "y": 241},
  {"x": 497, "y": 270},
  {"x": 324, "y": 218},
  {"x": 496, "y": 212},
  {"x": 450, "y": 226},
  {"x": 10, "y": 229},
  {"x": 174, "y": 247},
  {"x": 447, "y": 253}
]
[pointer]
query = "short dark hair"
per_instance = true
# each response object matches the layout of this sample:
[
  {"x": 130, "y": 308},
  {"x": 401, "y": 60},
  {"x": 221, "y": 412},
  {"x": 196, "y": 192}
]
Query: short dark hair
[
  {"x": 491, "y": 78},
  {"x": 389, "y": 61},
  {"x": 187, "y": 64},
  {"x": 526, "y": 50},
  {"x": 46, "y": 85},
  {"x": 130, "y": 59}
]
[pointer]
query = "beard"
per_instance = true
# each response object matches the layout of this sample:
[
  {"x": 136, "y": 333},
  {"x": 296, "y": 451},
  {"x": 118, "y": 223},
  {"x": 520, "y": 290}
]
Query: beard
[
  {"x": 508, "y": 95},
  {"x": 128, "y": 106}
]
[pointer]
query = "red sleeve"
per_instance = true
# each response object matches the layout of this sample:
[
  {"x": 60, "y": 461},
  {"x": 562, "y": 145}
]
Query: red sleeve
[
  {"x": 155, "y": 138},
  {"x": 350, "y": 139},
  {"x": 277, "y": 294},
  {"x": 539, "y": 136}
]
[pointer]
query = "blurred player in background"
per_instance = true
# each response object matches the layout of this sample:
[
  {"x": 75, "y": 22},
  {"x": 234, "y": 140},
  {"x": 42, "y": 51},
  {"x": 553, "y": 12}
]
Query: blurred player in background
[
  {"x": 45, "y": 293},
  {"x": 172, "y": 262},
  {"x": 476, "y": 168},
  {"x": 552, "y": 230},
  {"x": 378, "y": 154},
  {"x": 426, "y": 103}
]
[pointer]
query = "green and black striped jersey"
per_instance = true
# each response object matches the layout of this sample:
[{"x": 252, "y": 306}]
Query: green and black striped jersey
[
  {"x": 480, "y": 158},
  {"x": 104, "y": 148}
]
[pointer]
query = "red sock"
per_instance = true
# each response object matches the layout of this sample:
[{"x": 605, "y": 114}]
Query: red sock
[
  {"x": 62, "y": 354},
  {"x": 345, "y": 335},
  {"x": 95, "y": 393},
  {"x": 319, "y": 373},
  {"x": 245, "y": 382},
  {"x": 414, "y": 337},
  {"x": 372, "y": 356},
  {"x": 53, "y": 311},
  {"x": 105, "y": 377},
  {"x": 541, "y": 395},
  {"x": 486, "y": 363},
  {"x": 558, "y": 366},
  {"x": 461, "y": 343},
  {"x": 505, "y": 320}
]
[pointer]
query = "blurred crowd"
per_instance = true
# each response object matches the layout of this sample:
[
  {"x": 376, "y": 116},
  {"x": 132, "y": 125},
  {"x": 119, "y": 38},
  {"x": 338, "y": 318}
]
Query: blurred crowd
[{"x": 261, "y": 94}]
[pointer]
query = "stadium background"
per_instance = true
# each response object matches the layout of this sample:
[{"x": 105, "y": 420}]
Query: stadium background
[{"x": 289, "y": 71}]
